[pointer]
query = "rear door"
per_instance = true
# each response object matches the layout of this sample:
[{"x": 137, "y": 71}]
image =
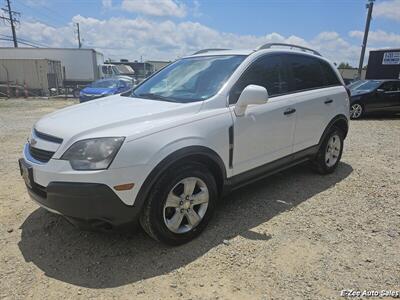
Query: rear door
[{"x": 316, "y": 91}]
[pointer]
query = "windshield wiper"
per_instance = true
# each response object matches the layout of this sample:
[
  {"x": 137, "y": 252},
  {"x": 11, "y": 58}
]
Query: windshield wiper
[{"x": 153, "y": 96}]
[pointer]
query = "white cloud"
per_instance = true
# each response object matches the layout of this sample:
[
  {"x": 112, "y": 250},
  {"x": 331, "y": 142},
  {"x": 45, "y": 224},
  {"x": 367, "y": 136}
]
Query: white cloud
[
  {"x": 165, "y": 39},
  {"x": 157, "y": 8},
  {"x": 107, "y": 4},
  {"x": 388, "y": 9},
  {"x": 378, "y": 37}
]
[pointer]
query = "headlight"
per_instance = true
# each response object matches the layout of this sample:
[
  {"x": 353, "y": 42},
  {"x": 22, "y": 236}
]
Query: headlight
[{"x": 93, "y": 154}]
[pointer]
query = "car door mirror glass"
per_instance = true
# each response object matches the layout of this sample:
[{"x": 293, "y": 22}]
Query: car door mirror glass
[{"x": 251, "y": 94}]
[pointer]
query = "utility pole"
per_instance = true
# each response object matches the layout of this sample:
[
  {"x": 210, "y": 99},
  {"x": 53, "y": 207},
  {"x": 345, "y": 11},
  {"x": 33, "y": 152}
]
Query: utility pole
[
  {"x": 370, "y": 6},
  {"x": 79, "y": 35},
  {"x": 12, "y": 19}
]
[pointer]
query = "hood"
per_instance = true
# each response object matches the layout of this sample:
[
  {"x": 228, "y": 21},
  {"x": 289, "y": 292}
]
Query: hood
[
  {"x": 98, "y": 91},
  {"x": 358, "y": 92},
  {"x": 112, "y": 116}
]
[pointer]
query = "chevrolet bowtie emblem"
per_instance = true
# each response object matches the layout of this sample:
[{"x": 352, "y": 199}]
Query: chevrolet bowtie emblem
[{"x": 32, "y": 142}]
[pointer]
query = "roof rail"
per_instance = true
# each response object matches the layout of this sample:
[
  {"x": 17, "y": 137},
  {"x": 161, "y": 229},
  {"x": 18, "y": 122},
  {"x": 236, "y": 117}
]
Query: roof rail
[
  {"x": 270, "y": 45},
  {"x": 208, "y": 50}
]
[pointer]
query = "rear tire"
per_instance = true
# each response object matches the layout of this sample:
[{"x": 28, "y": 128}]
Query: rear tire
[
  {"x": 330, "y": 152},
  {"x": 180, "y": 205}
]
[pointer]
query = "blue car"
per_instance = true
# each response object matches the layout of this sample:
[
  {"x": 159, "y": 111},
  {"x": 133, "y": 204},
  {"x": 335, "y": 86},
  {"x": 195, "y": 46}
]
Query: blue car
[{"x": 106, "y": 87}]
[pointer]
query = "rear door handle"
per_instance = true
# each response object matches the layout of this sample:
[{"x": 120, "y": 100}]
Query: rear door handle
[
  {"x": 328, "y": 101},
  {"x": 289, "y": 111}
]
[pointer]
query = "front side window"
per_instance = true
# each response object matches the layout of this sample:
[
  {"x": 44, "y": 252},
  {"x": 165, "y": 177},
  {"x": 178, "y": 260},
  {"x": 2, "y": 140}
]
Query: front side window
[
  {"x": 190, "y": 79},
  {"x": 105, "y": 70},
  {"x": 391, "y": 86},
  {"x": 266, "y": 71},
  {"x": 306, "y": 72}
]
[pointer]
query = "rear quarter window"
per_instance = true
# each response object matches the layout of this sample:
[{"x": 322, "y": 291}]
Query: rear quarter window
[
  {"x": 309, "y": 72},
  {"x": 329, "y": 74}
]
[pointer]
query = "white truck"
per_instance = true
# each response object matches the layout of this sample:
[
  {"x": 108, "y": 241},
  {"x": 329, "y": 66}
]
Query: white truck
[{"x": 79, "y": 66}]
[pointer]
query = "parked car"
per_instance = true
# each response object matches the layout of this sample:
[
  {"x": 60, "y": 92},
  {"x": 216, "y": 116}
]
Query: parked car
[
  {"x": 106, "y": 87},
  {"x": 374, "y": 96},
  {"x": 201, "y": 127}
]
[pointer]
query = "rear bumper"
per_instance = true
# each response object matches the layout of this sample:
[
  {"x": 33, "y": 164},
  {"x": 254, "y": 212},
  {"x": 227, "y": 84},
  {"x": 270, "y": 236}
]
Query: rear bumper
[{"x": 90, "y": 202}]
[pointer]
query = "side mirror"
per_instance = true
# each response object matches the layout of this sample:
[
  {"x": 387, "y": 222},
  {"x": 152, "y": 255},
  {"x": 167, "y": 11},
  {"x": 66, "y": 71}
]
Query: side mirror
[
  {"x": 252, "y": 94},
  {"x": 380, "y": 91}
]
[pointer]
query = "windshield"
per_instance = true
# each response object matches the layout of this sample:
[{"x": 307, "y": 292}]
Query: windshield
[
  {"x": 355, "y": 84},
  {"x": 105, "y": 84},
  {"x": 189, "y": 79},
  {"x": 369, "y": 85}
]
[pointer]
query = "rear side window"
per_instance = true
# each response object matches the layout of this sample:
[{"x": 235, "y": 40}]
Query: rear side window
[
  {"x": 266, "y": 71},
  {"x": 330, "y": 76},
  {"x": 306, "y": 72}
]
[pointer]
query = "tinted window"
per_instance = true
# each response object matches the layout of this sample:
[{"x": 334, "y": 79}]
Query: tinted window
[
  {"x": 391, "y": 86},
  {"x": 330, "y": 76},
  {"x": 267, "y": 72},
  {"x": 306, "y": 72}
]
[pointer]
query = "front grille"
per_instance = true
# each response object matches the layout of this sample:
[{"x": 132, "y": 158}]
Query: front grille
[
  {"x": 47, "y": 137},
  {"x": 40, "y": 155}
]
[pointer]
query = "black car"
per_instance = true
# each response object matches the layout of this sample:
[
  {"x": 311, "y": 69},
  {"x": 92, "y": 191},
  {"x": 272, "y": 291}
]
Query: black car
[{"x": 374, "y": 96}]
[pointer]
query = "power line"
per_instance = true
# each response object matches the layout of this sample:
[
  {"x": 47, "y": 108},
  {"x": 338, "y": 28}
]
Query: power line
[
  {"x": 40, "y": 11},
  {"x": 20, "y": 40},
  {"x": 12, "y": 19}
]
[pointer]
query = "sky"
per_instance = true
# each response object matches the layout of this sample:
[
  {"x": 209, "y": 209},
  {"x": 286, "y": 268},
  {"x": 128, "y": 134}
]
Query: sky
[{"x": 168, "y": 29}]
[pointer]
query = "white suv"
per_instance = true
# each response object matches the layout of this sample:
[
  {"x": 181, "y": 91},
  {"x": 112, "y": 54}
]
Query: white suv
[{"x": 200, "y": 127}]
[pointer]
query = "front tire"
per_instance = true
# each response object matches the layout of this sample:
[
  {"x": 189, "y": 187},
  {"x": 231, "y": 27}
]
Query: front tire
[
  {"x": 356, "y": 111},
  {"x": 330, "y": 152},
  {"x": 180, "y": 205}
]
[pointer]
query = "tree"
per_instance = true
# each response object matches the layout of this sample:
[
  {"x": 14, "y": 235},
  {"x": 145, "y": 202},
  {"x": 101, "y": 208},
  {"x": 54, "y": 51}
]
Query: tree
[{"x": 345, "y": 65}]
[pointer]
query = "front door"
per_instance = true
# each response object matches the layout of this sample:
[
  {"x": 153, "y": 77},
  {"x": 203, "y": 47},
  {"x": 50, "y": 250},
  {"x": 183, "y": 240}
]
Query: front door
[
  {"x": 388, "y": 96},
  {"x": 265, "y": 132}
]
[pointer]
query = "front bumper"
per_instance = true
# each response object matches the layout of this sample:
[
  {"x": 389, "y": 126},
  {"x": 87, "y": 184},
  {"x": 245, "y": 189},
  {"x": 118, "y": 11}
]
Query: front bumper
[{"x": 89, "y": 202}]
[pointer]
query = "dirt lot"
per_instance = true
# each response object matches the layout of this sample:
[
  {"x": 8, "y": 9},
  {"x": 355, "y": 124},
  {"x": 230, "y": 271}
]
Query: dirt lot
[{"x": 293, "y": 235}]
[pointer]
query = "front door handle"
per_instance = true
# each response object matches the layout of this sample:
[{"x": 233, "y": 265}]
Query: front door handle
[
  {"x": 289, "y": 111},
  {"x": 328, "y": 101}
]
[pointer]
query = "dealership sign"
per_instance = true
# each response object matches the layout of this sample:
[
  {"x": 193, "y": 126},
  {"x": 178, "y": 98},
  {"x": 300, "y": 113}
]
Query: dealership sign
[{"x": 391, "y": 58}]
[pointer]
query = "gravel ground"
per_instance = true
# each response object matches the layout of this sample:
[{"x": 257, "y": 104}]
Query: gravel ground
[{"x": 295, "y": 235}]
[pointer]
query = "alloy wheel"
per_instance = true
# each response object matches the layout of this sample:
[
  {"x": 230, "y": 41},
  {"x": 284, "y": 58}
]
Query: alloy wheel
[
  {"x": 332, "y": 150},
  {"x": 186, "y": 205},
  {"x": 356, "y": 111}
]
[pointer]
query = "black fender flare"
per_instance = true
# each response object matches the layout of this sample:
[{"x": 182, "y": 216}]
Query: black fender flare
[
  {"x": 340, "y": 121},
  {"x": 199, "y": 153}
]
